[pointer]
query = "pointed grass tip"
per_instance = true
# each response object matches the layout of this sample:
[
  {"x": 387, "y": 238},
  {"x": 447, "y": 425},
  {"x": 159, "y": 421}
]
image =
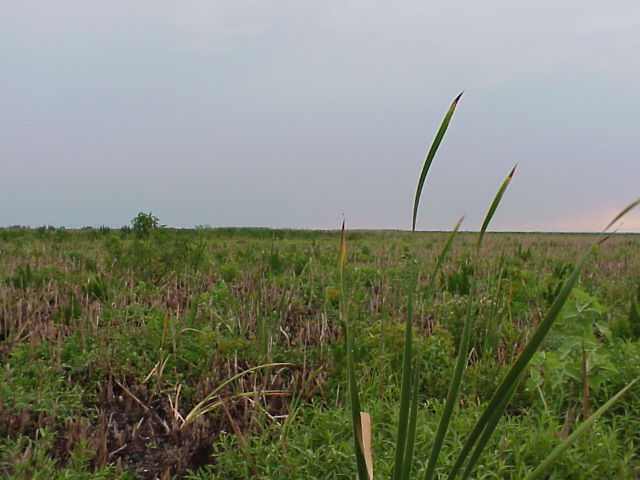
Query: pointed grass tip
[
  {"x": 343, "y": 245},
  {"x": 624, "y": 211},
  {"x": 513, "y": 170},
  {"x": 601, "y": 241}
]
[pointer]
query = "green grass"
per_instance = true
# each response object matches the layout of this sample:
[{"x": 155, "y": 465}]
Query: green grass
[{"x": 69, "y": 346}]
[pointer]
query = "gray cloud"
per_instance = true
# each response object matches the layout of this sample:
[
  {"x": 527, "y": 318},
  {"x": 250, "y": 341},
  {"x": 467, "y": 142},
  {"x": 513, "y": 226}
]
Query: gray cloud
[{"x": 292, "y": 113}]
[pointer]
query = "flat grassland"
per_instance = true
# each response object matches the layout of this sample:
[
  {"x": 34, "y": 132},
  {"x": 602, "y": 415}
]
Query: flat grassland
[{"x": 110, "y": 341}]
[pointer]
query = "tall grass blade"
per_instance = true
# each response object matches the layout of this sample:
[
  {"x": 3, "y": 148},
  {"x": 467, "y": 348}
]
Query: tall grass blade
[
  {"x": 626, "y": 210},
  {"x": 452, "y": 395},
  {"x": 355, "y": 408},
  {"x": 442, "y": 256},
  {"x": 343, "y": 249},
  {"x": 405, "y": 395},
  {"x": 413, "y": 414},
  {"x": 354, "y": 396},
  {"x": 584, "y": 426},
  {"x": 456, "y": 380},
  {"x": 491, "y": 425},
  {"x": 429, "y": 159},
  {"x": 413, "y": 424},
  {"x": 494, "y": 206}
]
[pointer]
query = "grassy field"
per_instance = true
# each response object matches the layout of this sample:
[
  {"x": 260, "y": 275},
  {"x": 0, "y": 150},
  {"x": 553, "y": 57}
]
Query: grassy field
[{"x": 111, "y": 339}]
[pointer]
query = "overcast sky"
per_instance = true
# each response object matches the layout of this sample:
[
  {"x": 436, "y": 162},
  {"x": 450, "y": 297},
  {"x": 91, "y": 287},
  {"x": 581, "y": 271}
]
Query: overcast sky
[{"x": 292, "y": 113}]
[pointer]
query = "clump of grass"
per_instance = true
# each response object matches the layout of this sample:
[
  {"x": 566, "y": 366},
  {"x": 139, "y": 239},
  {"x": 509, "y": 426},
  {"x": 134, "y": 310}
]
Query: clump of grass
[
  {"x": 215, "y": 399},
  {"x": 488, "y": 421}
]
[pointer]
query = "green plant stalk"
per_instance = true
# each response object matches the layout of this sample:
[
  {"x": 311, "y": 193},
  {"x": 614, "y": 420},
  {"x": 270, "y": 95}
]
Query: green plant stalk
[
  {"x": 461, "y": 361},
  {"x": 351, "y": 371},
  {"x": 582, "y": 428},
  {"x": 405, "y": 395},
  {"x": 413, "y": 423},
  {"x": 413, "y": 415},
  {"x": 407, "y": 382},
  {"x": 622, "y": 213},
  {"x": 491, "y": 425},
  {"x": 454, "y": 390},
  {"x": 494, "y": 309},
  {"x": 355, "y": 407},
  {"x": 430, "y": 155}
]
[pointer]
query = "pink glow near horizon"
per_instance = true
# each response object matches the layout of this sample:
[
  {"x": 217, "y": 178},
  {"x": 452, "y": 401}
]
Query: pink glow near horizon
[{"x": 589, "y": 221}]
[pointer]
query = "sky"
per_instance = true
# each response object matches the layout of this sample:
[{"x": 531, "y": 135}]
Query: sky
[{"x": 294, "y": 113}]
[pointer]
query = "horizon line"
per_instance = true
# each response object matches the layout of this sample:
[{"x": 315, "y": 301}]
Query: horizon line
[{"x": 319, "y": 229}]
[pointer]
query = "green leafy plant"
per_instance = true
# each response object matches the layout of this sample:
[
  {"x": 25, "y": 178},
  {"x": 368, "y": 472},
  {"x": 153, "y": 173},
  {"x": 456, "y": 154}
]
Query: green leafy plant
[
  {"x": 503, "y": 393},
  {"x": 579, "y": 359},
  {"x": 144, "y": 223}
]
